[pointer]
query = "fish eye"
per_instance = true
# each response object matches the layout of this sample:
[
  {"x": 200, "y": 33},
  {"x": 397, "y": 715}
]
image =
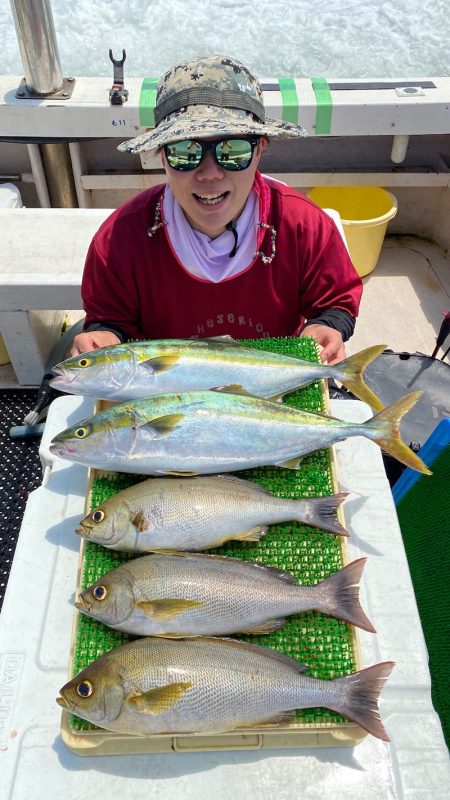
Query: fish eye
[
  {"x": 84, "y": 362},
  {"x": 98, "y": 516},
  {"x": 100, "y": 592},
  {"x": 80, "y": 433},
  {"x": 85, "y": 689}
]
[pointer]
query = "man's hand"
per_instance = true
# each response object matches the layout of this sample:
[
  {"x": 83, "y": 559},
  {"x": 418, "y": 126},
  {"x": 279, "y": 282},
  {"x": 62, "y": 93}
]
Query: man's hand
[
  {"x": 92, "y": 340},
  {"x": 330, "y": 340}
]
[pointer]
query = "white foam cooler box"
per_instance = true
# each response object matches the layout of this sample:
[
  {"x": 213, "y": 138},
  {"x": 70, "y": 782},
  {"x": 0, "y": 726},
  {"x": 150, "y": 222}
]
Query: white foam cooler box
[{"x": 35, "y": 642}]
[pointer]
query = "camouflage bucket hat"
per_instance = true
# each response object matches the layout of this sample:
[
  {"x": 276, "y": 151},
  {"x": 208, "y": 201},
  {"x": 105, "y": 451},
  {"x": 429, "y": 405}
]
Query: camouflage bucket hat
[{"x": 213, "y": 96}]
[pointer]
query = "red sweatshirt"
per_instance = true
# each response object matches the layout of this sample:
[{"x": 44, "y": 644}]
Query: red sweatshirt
[{"x": 134, "y": 283}]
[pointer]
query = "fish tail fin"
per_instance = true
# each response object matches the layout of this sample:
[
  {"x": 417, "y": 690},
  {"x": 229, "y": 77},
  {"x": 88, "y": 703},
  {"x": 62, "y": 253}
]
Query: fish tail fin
[
  {"x": 386, "y": 425},
  {"x": 350, "y": 372},
  {"x": 360, "y": 692},
  {"x": 321, "y": 513},
  {"x": 339, "y": 595}
]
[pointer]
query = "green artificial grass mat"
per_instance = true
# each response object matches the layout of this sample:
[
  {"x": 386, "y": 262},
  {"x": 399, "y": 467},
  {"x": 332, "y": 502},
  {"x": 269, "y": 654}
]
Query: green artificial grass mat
[
  {"x": 424, "y": 516},
  {"x": 326, "y": 645}
]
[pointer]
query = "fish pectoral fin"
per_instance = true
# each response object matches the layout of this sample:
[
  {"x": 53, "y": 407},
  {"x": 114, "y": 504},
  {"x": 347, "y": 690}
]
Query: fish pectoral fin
[
  {"x": 267, "y": 627},
  {"x": 167, "y": 608},
  {"x": 139, "y": 522},
  {"x": 161, "y": 363},
  {"x": 291, "y": 463},
  {"x": 253, "y": 535},
  {"x": 162, "y": 426},
  {"x": 158, "y": 700}
]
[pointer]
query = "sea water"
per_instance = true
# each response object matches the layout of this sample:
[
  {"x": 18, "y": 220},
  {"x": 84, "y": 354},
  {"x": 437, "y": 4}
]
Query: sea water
[{"x": 303, "y": 38}]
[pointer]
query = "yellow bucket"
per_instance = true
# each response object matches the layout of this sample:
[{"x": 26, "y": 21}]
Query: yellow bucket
[
  {"x": 365, "y": 212},
  {"x": 4, "y": 357}
]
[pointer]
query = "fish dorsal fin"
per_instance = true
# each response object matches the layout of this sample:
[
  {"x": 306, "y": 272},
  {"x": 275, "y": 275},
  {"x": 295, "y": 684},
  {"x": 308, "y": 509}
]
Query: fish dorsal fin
[
  {"x": 128, "y": 347},
  {"x": 286, "y": 577},
  {"x": 161, "y": 363},
  {"x": 262, "y": 651},
  {"x": 220, "y": 341},
  {"x": 162, "y": 426},
  {"x": 160, "y": 699},
  {"x": 225, "y": 476},
  {"x": 167, "y": 608}
]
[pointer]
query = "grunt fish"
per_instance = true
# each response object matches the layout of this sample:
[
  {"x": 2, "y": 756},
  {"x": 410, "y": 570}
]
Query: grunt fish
[
  {"x": 219, "y": 431},
  {"x": 199, "y": 513},
  {"x": 205, "y": 685},
  {"x": 186, "y": 594},
  {"x": 142, "y": 369}
]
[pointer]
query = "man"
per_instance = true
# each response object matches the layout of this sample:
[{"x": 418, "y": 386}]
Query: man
[{"x": 219, "y": 249}]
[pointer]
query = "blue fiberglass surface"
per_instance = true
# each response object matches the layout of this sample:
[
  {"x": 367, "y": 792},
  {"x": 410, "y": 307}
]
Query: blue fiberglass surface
[{"x": 432, "y": 448}]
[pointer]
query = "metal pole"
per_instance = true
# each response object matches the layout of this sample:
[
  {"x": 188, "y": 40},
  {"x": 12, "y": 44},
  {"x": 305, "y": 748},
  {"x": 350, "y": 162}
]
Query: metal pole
[
  {"x": 59, "y": 176},
  {"x": 40, "y": 180},
  {"x": 38, "y": 46},
  {"x": 84, "y": 197}
]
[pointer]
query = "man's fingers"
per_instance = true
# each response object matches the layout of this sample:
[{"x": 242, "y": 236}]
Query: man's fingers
[{"x": 84, "y": 342}]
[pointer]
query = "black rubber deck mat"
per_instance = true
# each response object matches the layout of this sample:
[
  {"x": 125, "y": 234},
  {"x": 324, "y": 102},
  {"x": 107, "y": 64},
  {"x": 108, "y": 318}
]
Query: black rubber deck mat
[{"x": 20, "y": 474}]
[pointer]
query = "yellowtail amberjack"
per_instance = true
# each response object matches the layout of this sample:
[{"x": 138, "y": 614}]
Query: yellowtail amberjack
[
  {"x": 199, "y": 513},
  {"x": 218, "y": 431},
  {"x": 188, "y": 594},
  {"x": 209, "y": 685},
  {"x": 143, "y": 369}
]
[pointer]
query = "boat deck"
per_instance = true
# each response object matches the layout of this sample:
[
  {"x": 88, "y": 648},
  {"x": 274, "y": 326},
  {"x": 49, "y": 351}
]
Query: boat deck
[{"x": 404, "y": 297}]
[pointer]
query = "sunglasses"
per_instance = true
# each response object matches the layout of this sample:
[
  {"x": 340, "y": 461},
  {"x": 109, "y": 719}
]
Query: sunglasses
[{"x": 230, "y": 154}]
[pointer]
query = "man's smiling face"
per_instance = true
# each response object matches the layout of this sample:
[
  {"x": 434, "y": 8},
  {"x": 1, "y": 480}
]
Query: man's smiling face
[{"x": 209, "y": 195}]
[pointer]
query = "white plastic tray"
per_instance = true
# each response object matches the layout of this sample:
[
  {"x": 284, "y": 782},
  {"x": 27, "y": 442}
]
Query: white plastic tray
[{"x": 35, "y": 629}]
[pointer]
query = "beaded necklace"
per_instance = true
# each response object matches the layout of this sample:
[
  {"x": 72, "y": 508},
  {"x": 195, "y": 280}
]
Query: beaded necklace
[{"x": 266, "y": 259}]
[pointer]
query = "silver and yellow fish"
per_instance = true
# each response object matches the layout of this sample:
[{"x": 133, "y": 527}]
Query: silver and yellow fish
[
  {"x": 187, "y": 594},
  {"x": 217, "y": 431},
  {"x": 199, "y": 513},
  {"x": 204, "y": 685},
  {"x": 142, "y": 369}
]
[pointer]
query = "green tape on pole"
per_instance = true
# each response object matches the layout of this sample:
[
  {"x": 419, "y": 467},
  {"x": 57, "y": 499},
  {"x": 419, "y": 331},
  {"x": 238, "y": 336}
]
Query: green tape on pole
[
  {"x": 290, "y": 99},
  {"x": 324, "y": 108},
  {"x": 147, "y": 102}
]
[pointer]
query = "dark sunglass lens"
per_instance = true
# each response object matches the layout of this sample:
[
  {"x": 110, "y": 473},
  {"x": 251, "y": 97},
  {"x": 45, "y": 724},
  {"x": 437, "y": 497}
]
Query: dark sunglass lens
[
  {"x": 183, "y": 155},
  {"x": 234, "y": 154}
]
